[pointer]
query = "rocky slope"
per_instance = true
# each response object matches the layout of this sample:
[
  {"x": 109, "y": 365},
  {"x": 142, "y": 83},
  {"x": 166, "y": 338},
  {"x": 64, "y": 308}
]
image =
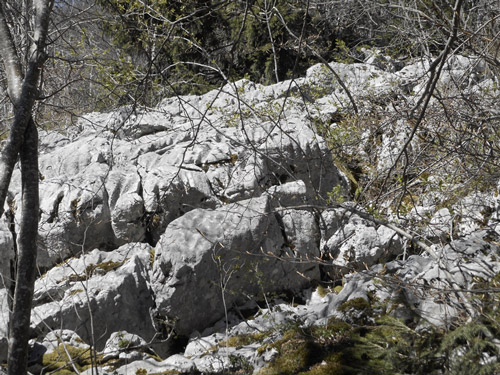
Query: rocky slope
[{"x": 163, "y": 230}]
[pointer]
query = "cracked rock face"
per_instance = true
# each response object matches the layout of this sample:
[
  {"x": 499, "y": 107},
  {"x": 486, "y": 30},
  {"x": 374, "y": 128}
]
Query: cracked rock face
[
  {"x": 98, "y": 293},
  {"x": 355, "y": 243},
  {"x": 215, "y": 198},
  {"x": 208, "y": 260},
  {"x": 163, "y": 219},
  {"x": 125, "y": 176}
]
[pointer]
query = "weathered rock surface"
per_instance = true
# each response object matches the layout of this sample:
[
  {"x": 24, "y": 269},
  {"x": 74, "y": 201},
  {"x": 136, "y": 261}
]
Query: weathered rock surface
[
  {"x": 124, "y": 176},
  {"x": 409, "y": 287},
  {"x": 158, "y": 223},
  {"x": 125, "y": 346},
  {"x": 55, "y": 338},
  {"x": 174, "y": 178},
  {"x": 208, "y": 260},
  {"x": 353, "y": 243},
  {"x": 97, "y": 294}
]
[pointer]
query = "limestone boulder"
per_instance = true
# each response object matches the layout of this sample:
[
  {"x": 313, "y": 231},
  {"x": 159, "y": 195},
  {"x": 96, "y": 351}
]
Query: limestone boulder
[
  {"x": 361, "y": 79},
  {"x": 290, "y": 151},
  {"x": 125, "y": 346},
  {"x": 289, "y": 194},
  {"x": 440, "y": 225},
  {"x": 73, "y": 197},
  {"x": 301, "y": 233},
  {"x": 407, "y": 288},
  {"x": 472, "y": 257},
  {"x": 474, "y": 212},
  {"x": 137, "y": 123},
  {"x": 97, "y": 294},
  {"x": 126, "y": 205},
  {"x": 208, "y": 260},
  {"x": 358, "y": 242},
  {"x": 55, "y": 338},
  {"x": 49, "y": 140},
  {"x": 169, "y": 192},
  {"x": 175, "y": 364},
  {"x": 75, "y": 215},
  {"x": 123, "y": 176}
]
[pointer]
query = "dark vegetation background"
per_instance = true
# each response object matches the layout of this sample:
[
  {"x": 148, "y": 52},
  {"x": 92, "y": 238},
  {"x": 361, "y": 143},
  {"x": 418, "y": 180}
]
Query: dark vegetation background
[{"x": 110, "y": 53}]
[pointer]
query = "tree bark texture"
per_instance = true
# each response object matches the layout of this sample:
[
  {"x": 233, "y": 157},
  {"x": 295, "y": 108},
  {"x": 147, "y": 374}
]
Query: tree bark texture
[
  {"x": 27, "y": 252},
  {"x": 22, "y": 89},
  {"x": 23, "y": 144}
]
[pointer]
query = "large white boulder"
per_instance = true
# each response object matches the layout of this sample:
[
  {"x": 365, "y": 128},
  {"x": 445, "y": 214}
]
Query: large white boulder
[
  {"x": 97, "y": 294},
  {"x": 209, "y": 260}
]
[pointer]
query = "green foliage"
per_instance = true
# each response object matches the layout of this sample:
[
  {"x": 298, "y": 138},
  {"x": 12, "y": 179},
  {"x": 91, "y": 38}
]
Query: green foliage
[
  {"x": 191, "y": 42},
  {"x": 342, "y": 53},
  {"x": 322, "y": 291},
  {"x": 336, "y": 195},
  {"x": 386, "y": 345},
  {"x": 294, "y": 353},
  {"x": 359, "y": 304},
  {"x": 472, "y": 348},
  {"x": 123, "y": 344}
]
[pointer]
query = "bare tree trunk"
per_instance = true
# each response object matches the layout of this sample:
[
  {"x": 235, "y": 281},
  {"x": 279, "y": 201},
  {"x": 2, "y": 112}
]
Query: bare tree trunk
[
  {"x": 22, "y": 90},
  {"x": 23, "y": 142},
  {"x": 25, "y": 278}
]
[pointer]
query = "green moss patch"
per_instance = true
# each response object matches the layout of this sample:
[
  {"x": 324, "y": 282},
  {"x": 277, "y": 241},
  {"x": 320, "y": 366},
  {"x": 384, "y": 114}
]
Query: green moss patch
[
  {"x": 65, "y": 358},
  {"x": 97, "y": 269},
  {"x": 243, "y": 340},
  {"x": 339, "y": 348},
  {"x": 313, "y": 350},
  {"x": 322, "y": 291},
  {"x": 359, "y": 304},
  {"x": 104, "y": 267},
  {"x": 151, "y": 256},
  {"x": 76, "y": 291}
]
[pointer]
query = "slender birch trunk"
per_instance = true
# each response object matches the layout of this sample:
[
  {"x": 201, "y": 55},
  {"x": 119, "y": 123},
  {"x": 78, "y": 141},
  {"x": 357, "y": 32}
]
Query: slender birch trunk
[{"x": 22, "y": 144}]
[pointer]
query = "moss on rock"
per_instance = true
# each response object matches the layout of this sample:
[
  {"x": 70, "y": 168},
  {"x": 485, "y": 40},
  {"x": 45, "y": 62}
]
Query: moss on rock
[{"x": 65, "y": 358}]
